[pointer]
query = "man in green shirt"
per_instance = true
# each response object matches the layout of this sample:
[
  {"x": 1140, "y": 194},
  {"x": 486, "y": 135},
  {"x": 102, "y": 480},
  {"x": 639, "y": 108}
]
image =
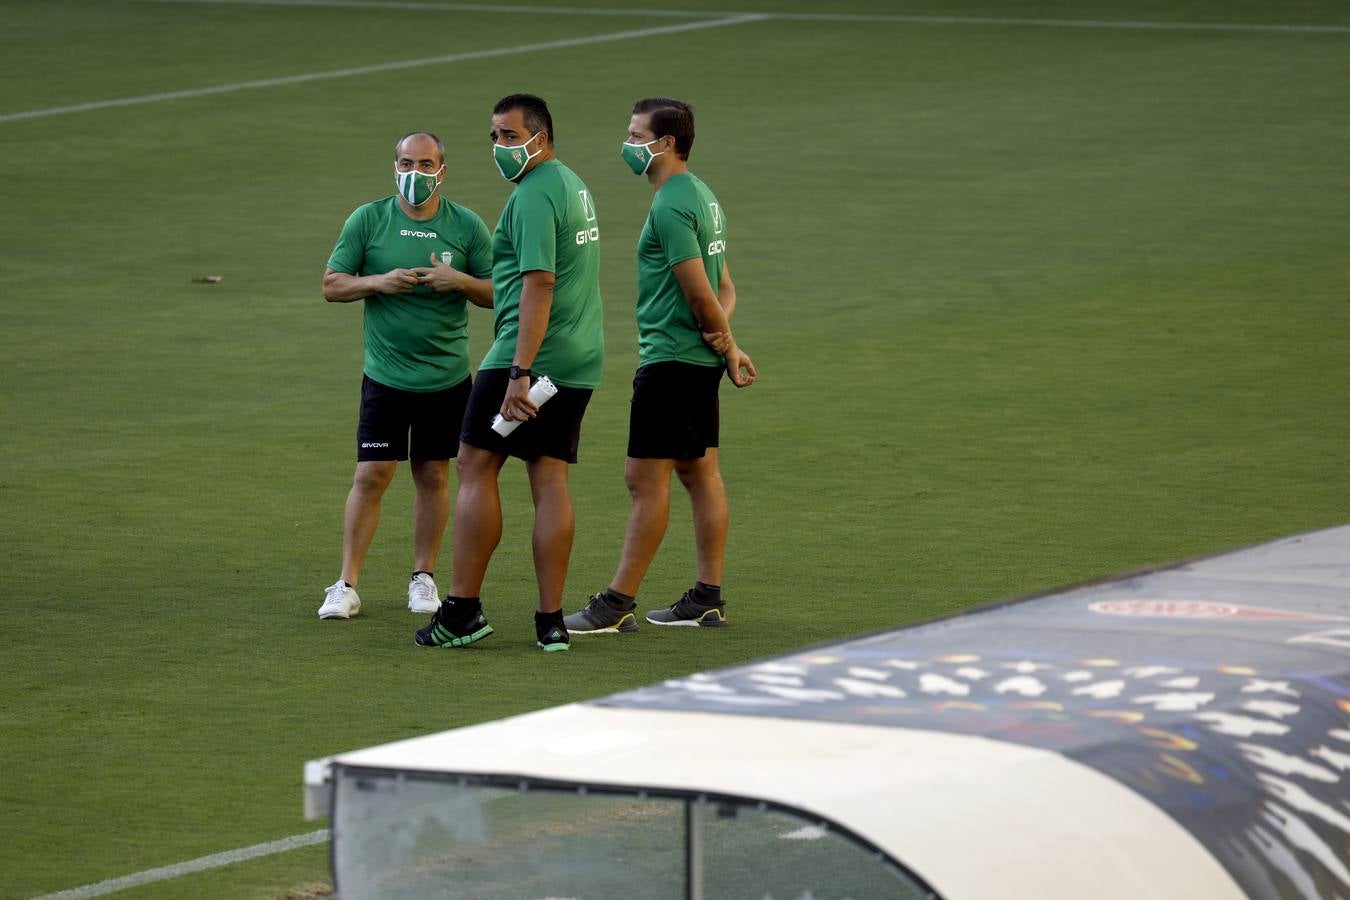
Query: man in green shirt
[
  {"x": 547, "y": 323},
  {"x": 684, "y": 304},
  {"x": 416, "y": 259}
]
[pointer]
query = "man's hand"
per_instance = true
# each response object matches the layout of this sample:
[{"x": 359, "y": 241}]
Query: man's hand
[
  {"x": 439, "y": 277},
  {"x": 736, "y": 361},
  {"x": 719, "y": 341},
  {"x": 396, "y": 281},
  {"x": 516, "y": 405}
]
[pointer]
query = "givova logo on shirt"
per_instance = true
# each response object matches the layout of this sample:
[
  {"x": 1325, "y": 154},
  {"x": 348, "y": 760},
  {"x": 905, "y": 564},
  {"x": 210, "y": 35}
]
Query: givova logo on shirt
[
  {"x": 408, "y": 232},
  {"x": 719, "y": 246},
  {"x": 592, "y": 233}
]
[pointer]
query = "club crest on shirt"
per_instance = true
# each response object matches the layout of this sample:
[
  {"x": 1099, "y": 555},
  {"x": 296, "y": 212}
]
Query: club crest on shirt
[{"x": 447, "y": 256}]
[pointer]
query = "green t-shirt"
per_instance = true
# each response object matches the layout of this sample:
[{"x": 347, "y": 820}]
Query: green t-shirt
[
  {"x": 686, "y": 222},
  {"x": 549, "y": 225},
  {"x": 417, "y": 341}
]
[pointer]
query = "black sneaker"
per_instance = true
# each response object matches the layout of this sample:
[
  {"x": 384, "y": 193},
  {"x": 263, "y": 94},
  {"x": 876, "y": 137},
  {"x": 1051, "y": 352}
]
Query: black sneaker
[
  {"x": 454, "y": 625},
  {"x": 599, "y": 616},
  {"x": 688, "y": 611},
  {"x": 550, "y": 632}
]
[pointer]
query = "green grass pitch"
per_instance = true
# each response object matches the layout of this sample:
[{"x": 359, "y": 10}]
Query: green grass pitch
[{"x": 1030, "y": 305}]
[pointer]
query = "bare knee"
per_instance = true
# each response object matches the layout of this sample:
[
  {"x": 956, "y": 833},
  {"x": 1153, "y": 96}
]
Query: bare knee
[
  {"x": 474, "y": 465},
  {"x": 698, "y": 473},
  {"x": 640, "y": 484},
  {"x": 373, "y": 476},
  {"x": 646, "y": 478},
  {"x": 548, "y": 478},
  {"x": 431, "y": 475}
]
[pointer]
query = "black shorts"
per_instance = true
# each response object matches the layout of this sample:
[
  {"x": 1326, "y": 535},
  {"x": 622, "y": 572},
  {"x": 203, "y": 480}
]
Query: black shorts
[
  {"x": 390, "y": 415},
  {"x": 555, "y": 432},
  {"x": 674, "y": 413}
]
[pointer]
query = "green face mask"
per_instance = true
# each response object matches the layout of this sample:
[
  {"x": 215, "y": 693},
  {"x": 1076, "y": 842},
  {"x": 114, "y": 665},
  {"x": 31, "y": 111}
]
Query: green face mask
[
  {"x": 511, "y": 161},
  {"x": 417, "y": 187},
  {"x": 639, "y": 156}
]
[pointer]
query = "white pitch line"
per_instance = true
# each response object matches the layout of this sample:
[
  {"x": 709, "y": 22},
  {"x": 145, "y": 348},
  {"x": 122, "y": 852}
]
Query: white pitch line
[
  {"x": 214, "y": 861},
  {"x": 378, "y": 67},
  {"x": 1126, "y": 24}
]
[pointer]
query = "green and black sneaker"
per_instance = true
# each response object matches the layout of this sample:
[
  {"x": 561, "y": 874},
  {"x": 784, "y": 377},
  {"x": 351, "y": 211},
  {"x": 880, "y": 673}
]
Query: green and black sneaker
[
  {"x": 455, "y": 625},
  {"x": 688, "y": 611},
  {"x": 551, "y": 632}
]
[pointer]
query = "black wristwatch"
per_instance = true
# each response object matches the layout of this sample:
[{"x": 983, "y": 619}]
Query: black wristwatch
[{"x": 516, "y": 372}]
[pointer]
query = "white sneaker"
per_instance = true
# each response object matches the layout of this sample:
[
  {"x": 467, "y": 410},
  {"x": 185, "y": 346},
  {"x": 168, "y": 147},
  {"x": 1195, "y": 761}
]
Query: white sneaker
[
  {"x": 340, "y": 602},
  {"x": 422, "y": 594}
]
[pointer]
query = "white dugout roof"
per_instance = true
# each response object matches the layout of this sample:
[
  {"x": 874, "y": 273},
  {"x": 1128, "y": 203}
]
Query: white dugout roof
[{"x": 1182, "y": 732}]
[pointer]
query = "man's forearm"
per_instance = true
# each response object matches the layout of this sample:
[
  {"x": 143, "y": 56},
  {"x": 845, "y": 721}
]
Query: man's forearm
[
  {"x": 710, "y": 315},
  {"x": 339, "y": 287},
  {"x": 726, "y": 298},
  {"x": 478, "y": 290}
]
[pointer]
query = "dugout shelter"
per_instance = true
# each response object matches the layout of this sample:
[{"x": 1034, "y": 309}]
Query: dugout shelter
[{"x": 1181, "y": 732}]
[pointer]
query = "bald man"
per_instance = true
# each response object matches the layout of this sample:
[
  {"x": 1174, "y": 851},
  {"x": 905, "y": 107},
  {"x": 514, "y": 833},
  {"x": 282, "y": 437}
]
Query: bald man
[{"x": 417, "y": 260}]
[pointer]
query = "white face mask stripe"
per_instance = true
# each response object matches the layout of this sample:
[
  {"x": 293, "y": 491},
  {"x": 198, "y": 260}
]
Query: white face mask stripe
[
  {"x": 407, "y": 184},
  {"x": 439, "y": 175}
]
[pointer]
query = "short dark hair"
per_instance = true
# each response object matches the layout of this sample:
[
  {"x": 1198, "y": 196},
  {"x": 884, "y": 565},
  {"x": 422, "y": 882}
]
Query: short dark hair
[
  {"x": 670, "y": 117},
  {"x": 534, "y": 109},
  {"x": 439, "y": 146}
]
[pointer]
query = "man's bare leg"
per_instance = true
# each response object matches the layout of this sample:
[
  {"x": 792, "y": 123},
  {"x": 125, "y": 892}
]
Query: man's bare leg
[
  {"x": 553, "y": 529},
  {"x": 362, "y": 514},
  {"x": 648, "y": 483},
  {"x": 478, "y": 518},
  {"x": 712, "y": 516},
  {"x": 431, "y": 510}
]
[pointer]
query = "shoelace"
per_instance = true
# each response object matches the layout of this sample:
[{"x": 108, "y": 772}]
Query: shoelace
[
  {"x": 334, "y": 592},
  {"x": 421, "y": 590}
]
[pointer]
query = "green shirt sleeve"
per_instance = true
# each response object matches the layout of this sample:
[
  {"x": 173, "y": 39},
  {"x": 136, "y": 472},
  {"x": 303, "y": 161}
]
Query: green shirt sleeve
[
  {"x": 480, "y": 251},
  {"x": 534, "y": 233},
  {"x": 350, "y": 253},
  {"x": 677, "y": 230}
]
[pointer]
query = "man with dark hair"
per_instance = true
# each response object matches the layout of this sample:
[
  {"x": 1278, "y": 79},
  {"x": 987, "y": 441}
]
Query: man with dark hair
[
  {"x": 534, "y": 113},
  {"x": 684, "y": 306},
  {"x": 416, "y": 370},
  {"x": 547, "y": 322}
]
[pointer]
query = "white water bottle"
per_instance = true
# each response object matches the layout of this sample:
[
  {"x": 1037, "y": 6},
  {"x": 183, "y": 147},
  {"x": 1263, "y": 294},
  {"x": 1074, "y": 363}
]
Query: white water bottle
[{"x": 539, "y": 394}]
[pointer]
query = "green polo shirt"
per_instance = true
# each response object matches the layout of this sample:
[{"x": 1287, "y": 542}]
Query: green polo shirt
[
  {"x": 686, "y": 222},
  {"x": 549, "y": 225},
  {"x": 417, "y": 341}
]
